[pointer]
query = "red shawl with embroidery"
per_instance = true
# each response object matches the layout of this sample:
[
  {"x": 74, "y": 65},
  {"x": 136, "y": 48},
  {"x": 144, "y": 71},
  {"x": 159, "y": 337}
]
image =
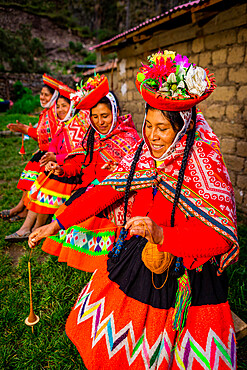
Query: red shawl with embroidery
[
  {"x": 74, "y": 130},
  {"x": 115, "y": 145},
  {"x": 206, "y": 194},
  {"x": 47, "y": 127}
]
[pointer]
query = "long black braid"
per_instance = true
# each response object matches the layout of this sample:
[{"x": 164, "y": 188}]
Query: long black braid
[
  {"x": 189, "y": 144},
  {"x": 115, "y": 252},
  {"x": 130, "y": 178},
  {"x": 90, "y": 145},
  {"x": 179, "y": 267}
]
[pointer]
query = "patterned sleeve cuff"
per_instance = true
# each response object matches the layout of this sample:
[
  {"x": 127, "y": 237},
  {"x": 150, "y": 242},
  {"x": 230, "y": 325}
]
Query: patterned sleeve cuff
[{"x": 59, "y": 223}]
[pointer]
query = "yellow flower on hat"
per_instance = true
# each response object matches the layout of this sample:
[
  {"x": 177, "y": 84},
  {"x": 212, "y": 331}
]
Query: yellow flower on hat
[{"x": 166, "y": 54}]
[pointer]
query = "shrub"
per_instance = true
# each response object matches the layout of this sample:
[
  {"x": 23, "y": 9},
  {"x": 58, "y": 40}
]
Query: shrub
[
  {"x": 20, "y": 90},
  {"x": 90, "y": 58},
  {"x": 25, "y": 102}
]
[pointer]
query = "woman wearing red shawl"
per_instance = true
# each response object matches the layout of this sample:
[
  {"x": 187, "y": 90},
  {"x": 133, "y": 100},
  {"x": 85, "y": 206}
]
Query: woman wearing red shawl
[
  {"x": 43, "y": 134},
  {"x": 54, "y": 190},
  {"x": 109, "y": 139},
  {"x": 159, "y": 300}
]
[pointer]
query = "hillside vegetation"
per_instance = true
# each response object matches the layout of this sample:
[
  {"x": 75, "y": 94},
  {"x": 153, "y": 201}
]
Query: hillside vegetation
[{"x": 54, "y": 35}]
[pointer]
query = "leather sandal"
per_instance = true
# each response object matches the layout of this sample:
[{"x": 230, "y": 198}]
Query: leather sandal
[
  {"x": 16, "y": 237},
  {"x": 15, "y": 218},
  {"x": 5, "y": 214}
]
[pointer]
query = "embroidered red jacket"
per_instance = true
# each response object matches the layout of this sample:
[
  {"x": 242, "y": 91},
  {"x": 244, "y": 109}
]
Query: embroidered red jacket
[{"x": 189, "y": 238}]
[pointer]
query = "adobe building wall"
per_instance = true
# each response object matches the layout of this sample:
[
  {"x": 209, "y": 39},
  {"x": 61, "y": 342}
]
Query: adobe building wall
[{"x": 219, "y": 45}]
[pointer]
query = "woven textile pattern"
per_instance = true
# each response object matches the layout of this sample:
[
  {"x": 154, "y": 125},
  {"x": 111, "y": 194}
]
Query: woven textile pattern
[
  {"x": 29, "y": 175},
  {"x": 47, "y": 127},
  {"x": 80, "y": 239},
  {"x": 206, "y": 193},
  {"x": 162, "y": 353}
]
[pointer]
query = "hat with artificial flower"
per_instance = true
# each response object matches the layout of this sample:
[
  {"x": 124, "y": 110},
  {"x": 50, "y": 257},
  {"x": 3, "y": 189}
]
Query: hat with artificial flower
[
  {"x": 94, "y": 89},
  {"x": 170, "y": 82},
  {"x": 89, "y": 94}
]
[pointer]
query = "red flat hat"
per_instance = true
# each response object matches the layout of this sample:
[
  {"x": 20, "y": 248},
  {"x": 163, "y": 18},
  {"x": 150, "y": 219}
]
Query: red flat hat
[
  {"x": 63, "y": 89},
  {"x": 92, "y": 98},
  {"x": 179, "y": 103},
  {"x": 52, "y": 82}
]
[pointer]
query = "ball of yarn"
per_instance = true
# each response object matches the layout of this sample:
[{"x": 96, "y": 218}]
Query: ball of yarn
[{"x": 154, "y": 260}]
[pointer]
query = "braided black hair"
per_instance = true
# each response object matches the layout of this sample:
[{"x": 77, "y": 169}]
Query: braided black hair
[
  {"x": 90, "y": 145},
  {"x": 189, "y": 144},
  {"x": 179, "y": 267},
  {"x": 130, "y": 178},
  {"x": 116, "y": 250}
]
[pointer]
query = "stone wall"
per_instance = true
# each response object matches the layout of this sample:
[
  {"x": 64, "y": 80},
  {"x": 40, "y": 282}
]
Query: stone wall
[{"x": 219, "y": 45}]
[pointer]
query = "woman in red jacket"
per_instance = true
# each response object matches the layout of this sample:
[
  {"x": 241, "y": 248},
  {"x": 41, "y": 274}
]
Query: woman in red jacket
[
  {"x": 109, "y": 139},
  {"x": 43, "y": 134},
  {"x": 159, "y": 300},
  {"x": 54, "y": 190}
]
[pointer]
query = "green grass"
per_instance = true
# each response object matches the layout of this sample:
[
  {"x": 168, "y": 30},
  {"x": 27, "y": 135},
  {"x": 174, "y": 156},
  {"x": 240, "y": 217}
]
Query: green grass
[
  {"x": 56, "y": 287},
  {"x": 12, "y": 117}
]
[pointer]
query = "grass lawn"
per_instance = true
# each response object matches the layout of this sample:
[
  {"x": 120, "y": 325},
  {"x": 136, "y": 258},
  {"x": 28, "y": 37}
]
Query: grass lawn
[
  {"x": 11, "y": 118},
  {"x": 56, "y": 286}
]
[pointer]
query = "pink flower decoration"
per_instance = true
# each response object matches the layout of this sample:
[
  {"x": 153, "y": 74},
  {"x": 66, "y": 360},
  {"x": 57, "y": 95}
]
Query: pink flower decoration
[
  {"x": 159, "y": 70},
  {"x": 182, "y": 61}
]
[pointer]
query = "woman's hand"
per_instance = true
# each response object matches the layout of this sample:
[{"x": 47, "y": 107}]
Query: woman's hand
[
  {"x": 47, "y": 157},
  {"x": 43, "y": 232},
  {"x": 19, "y": 127},
  {"x": 151, "y": 231},
  {"x": 110, "y": 166},
  {"x": 52, "y": 166}
]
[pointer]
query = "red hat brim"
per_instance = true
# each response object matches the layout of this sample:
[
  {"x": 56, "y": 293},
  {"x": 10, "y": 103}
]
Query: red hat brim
[
  {"x": 167, "y": 103},
  {"x": 52, "y": 82},
  {"x": 65, "y": 90},
  {"x": 94, "y": 96}
]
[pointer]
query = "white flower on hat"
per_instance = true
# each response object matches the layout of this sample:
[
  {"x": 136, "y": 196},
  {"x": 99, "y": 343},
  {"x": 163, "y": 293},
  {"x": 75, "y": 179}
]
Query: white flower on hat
[
  {"x": 196, "y": 80},
  {"x": 77, "y": 95},
  {"x": 173, "y": 86}
]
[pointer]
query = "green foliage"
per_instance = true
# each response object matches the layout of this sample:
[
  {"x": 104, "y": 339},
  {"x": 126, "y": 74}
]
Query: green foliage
[
  {"x": 90, "y": 58},
  {"x": 84, "y": 32},
  {"x": 27, "y": 104},
  {"x": 75, "y": 47},
  {"x": 9, "y": 117},
  {"x": 20, "y": 50},
  {"x": 20, "y": 90},
  {"x": 25, "y": 101},
  {"x": 103, "y": 34}
]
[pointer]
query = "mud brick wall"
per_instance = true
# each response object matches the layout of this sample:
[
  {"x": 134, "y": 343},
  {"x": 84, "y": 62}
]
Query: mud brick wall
[{"x": 220, "y": 45}]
